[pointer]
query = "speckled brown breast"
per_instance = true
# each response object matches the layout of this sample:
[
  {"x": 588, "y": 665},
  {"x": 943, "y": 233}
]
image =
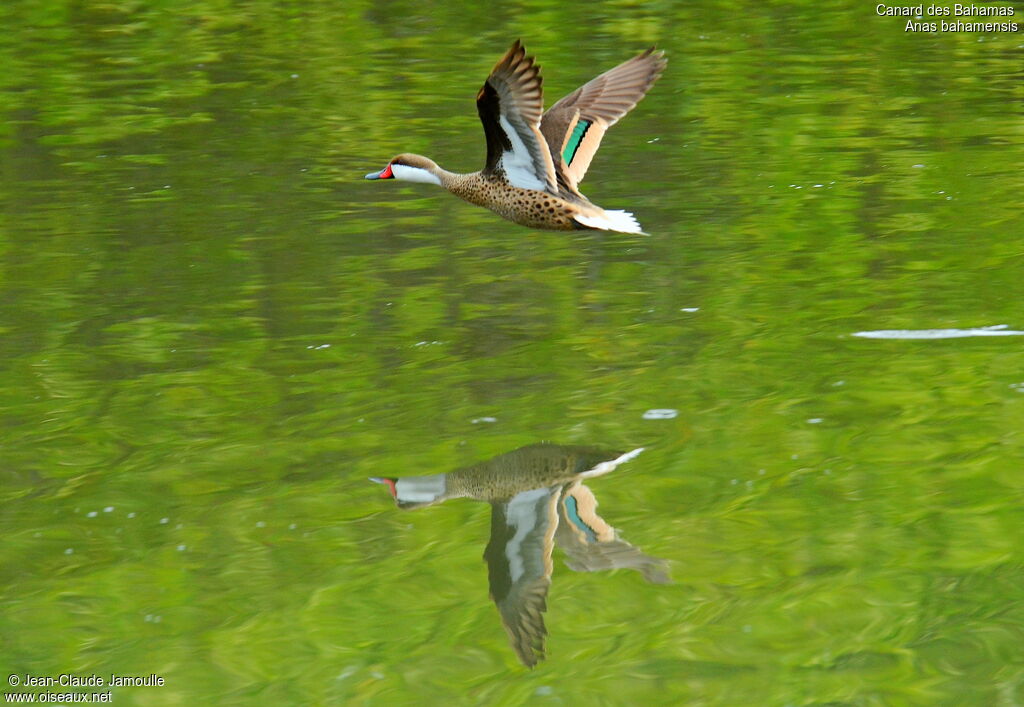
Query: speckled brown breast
[
  {"x": 527, "y": 207},
  {"x": 535, "y": 466}
]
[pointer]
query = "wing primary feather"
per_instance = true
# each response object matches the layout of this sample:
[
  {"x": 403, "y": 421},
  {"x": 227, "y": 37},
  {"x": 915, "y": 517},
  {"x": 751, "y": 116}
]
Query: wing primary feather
[
  {"x": 510, "y": 105},
  {"x": 600, "y": 103}
]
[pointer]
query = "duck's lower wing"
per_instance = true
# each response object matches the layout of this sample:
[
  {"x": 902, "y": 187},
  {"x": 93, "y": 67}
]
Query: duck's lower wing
[{"x": 518, "y": 559}]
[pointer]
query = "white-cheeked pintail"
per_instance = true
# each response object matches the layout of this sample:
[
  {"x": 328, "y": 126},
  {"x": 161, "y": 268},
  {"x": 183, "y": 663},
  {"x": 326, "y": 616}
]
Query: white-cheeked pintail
[{"x": 536, "y": 159}]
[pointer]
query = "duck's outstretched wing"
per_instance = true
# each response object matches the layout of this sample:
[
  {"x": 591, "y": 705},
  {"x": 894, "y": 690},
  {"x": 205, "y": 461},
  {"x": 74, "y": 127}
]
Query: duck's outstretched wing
[
  {"x": 592, "y": 545},
  {"x": 574, "y": 126},
  {"x": 518, "y": 559},
  {"x": 510, "y": 105}
]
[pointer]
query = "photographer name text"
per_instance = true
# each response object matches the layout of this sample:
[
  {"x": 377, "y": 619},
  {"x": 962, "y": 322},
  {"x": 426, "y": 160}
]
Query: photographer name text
[{"x": 69, "y": 680}]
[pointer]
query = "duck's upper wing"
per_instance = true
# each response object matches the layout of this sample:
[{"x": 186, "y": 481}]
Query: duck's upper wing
[
  {"x": 574, "y": 126},
  {"x": 518, "y": 559},
  {"x": 510, "y": 105}
]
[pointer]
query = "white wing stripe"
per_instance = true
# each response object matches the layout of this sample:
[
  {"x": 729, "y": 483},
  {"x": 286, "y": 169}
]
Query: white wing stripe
[{"x": 518, "y": 165}]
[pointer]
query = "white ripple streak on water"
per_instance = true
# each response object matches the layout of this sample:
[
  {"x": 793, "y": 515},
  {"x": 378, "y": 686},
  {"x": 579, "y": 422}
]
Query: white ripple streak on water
[{"x": 997, "y": 330}]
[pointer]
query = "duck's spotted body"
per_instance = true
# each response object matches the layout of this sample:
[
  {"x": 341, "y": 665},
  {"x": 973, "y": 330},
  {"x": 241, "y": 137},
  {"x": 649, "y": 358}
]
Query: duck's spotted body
[
  {"x": 535, "y": 466},
  {"x": 527, "y": 207},
  {"x": 531, "y": 467},
  {"x": 538, "y": 499},
  {"x": 535, "y": 160}
]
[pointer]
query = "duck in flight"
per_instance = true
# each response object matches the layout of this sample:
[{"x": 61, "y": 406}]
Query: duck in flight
[
  {"x": 538, "y": 500},
  {"x": 536, "y": 160}
]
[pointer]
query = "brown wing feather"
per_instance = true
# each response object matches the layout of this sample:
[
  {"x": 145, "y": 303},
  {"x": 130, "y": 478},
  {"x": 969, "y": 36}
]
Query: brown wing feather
[
  {"x": 488, "y": 106},
  {"x": 523, "y": 618},
  {"x": 600, "y": 548},
  {"x": 521, "y": 594},
  {"x": 602, "y": 102},
  {"x": 514, "y": 91}
]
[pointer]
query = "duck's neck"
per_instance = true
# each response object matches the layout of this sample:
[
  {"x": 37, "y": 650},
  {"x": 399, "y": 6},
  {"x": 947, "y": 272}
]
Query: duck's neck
[
  {"x": 449, "y": 180},
  {"x": 471, "y": 187}
]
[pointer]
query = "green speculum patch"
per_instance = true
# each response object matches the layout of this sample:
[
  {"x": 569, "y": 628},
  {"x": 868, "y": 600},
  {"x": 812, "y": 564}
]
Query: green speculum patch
[{"x": 578, "y": 133}]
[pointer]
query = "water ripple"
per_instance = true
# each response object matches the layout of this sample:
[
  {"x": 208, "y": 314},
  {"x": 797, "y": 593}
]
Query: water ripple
[{"x": 997, "y": 330}]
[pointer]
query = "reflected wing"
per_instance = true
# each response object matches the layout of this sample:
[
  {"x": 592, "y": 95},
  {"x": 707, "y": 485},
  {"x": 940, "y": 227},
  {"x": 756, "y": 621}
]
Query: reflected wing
[
  {"x": 518, "y": 559},
  {"x": 574, "y": 126},
  {"x": 593, "y": 545},
  {"x": 510, "y": 104}
]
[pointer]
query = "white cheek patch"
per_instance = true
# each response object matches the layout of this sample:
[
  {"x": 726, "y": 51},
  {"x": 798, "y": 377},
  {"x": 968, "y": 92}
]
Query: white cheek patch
[
  {"x": 414, "y": 174},
  {"x": 518, "y": 164},
  {"x": 420, "y": 489}
]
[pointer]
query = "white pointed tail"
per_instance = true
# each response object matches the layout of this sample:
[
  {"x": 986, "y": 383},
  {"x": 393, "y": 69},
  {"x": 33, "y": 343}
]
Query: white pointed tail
[
  {"x": 621, "y": 221},
  {"x": 608, "y": 466}
]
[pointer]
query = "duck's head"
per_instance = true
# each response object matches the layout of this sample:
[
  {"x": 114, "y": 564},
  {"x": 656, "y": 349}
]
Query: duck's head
[
  {"x": 410, "y": 168},
  {"x": 414, "y": 491}
]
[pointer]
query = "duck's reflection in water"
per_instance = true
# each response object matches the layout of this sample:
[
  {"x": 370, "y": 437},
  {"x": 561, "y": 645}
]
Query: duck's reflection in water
[{"x": 538, "y": 499}]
